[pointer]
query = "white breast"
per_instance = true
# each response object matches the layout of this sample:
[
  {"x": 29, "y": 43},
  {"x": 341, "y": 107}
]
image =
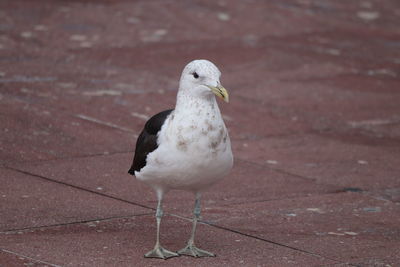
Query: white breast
[{"x": 192, "y": 154}]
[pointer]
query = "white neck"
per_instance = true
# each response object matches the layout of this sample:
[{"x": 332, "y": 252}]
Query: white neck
[{"x": 185, "y": 101}]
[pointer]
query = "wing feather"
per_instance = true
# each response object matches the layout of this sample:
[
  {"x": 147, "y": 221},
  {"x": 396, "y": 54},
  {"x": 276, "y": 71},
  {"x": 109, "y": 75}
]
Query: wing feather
[{"x": 147, "y": 140}]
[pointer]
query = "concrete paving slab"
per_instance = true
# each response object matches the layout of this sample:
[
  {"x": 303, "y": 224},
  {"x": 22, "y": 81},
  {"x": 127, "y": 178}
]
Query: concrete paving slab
[
  {"x": 33, "y": 132},
  {"x": 122, "y": 242},
  {"x": 333, "y": 109},
  {"x": 353, "y": 227},
  {"x": 29, "y": 202},
  {"x": 10, "y": 259},
  {"x": 344, "y": 162},
  {"x": 108, "y": 175},
  {"x": 326, "y": 97}
]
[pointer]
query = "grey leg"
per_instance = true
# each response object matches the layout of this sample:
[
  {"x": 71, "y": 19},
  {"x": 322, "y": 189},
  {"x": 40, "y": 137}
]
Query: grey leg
[
  {"x": 159, "y": 251},
  {"x": 191, "y": 249}
]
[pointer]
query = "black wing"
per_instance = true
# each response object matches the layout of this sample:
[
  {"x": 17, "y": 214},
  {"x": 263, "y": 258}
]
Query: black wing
[{"x": 147, "y": 140}]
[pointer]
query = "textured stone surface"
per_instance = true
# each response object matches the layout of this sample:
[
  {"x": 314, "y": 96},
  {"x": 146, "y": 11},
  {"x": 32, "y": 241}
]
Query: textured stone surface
[
  {"x": 122, "y": 242},
  {"x": 347, "y": 226},
  {"x": 28, "y": 201},
  {"x": 313, "y": 118},
  {"x": 10, "y": 259},
  {"x": 108, "y": 175}
]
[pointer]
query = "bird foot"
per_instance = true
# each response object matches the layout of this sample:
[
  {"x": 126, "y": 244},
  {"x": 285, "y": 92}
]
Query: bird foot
[
  {"x": 192, "y": 250},
  {"x": 160, "y": 253}
]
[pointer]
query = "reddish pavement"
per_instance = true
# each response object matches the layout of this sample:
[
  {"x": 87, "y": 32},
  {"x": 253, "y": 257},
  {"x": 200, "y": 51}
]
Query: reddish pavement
[{"x": 314, "y": 120}]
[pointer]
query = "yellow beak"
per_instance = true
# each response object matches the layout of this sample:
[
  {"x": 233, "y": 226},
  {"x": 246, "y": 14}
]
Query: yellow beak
[{"x": 220, "y": 91}]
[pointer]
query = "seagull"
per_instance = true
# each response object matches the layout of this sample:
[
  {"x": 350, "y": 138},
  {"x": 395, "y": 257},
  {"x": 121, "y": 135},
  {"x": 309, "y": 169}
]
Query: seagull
[{"x": 186, "y": 148}]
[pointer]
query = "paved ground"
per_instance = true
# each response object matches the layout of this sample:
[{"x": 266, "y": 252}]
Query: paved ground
[{"x": 314, "y": 119}]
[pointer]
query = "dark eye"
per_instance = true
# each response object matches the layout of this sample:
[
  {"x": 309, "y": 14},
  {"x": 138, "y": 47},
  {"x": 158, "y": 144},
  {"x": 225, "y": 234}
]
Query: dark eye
[{"x": 195, "y": 75}]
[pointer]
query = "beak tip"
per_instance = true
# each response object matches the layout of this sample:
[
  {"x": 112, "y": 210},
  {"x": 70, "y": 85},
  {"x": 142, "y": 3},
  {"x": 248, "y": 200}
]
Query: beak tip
[{"x": 220, "y": 92}]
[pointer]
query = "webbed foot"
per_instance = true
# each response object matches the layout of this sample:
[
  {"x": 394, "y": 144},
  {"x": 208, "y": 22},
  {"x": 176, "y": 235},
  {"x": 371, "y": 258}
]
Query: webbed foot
[
  {"x": 160, "y": 253},
  {"x": 192, "y": 250}
]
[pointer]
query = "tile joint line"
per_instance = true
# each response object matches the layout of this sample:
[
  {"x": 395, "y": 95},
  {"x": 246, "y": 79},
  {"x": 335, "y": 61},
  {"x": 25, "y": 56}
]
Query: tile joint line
[{"x": 29, "y": 258}]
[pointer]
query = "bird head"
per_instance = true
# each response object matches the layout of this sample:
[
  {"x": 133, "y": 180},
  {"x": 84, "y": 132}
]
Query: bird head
[{"x": 201, "y": 78}]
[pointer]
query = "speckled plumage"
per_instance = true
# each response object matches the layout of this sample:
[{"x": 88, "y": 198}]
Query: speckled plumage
[{"x": 194, "y": 148}]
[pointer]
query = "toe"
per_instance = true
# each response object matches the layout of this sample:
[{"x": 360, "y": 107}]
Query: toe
[
  {"x": 160, "y": 253},
  {"x": 195, "y": 252}
]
